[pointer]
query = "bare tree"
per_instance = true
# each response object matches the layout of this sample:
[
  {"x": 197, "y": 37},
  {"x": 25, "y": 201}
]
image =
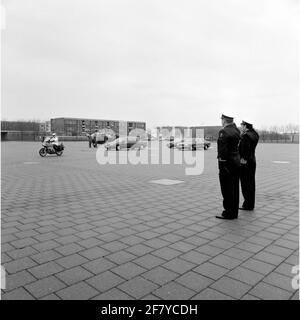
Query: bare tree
[
  {"x": 292, "y": 130},
  {"x": 20, "y": 125},
  {"x": 274, "y": 132},
  {"x": 283, "y": 133},
  {"x": 263, "y": 134}
]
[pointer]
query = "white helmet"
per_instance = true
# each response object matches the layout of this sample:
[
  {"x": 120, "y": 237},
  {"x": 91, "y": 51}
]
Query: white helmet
[{"x": 54, "y": 134}]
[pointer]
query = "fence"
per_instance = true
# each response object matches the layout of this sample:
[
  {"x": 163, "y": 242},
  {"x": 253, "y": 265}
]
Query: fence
[
  {"x": 34, "y": 136},
  {"x": 20, "y": 136}
]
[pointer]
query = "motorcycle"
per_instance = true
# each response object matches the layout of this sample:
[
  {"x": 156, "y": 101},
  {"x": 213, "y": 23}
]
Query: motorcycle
[{"x": 49, "y": 149}]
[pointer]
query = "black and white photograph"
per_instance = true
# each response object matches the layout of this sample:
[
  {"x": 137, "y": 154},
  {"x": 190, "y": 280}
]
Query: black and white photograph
[{"x": 150, "y": 152}]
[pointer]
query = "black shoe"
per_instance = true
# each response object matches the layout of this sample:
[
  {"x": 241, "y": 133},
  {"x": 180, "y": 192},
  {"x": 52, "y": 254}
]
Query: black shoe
[
  {"x": 226, "y": 217},
  {"x": 246, "y": 209}
]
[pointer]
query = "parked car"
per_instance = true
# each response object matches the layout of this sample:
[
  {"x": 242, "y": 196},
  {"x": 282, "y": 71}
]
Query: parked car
[
  {"x": 192, "y": 144},
  {"x": 170, "y": 145},
  {"x": 173, "y": 142},
  {"x": 100, "y": 138},
  {"x": 126, "y": 143},
  {"x": 149, "y": 137}
]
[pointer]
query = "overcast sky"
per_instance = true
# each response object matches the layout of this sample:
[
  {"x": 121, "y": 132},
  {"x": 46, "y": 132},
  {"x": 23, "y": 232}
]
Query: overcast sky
[{"x": 160, "y": 61}]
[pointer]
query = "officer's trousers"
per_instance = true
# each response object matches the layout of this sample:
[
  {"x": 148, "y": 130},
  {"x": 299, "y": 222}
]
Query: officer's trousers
[
  {"x": 229, "y": 175},
  {"x": 248, "y": 184}
]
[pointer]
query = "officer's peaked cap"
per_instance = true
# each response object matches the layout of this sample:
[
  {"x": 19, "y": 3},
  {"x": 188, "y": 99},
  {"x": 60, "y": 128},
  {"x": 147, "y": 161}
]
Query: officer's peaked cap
[
  {"x": 247, "y": 124},
  {"x": 226, "y": 117}
]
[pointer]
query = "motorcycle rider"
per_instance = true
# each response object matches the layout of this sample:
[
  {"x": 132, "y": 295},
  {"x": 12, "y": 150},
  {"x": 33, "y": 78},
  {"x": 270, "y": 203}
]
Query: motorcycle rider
[{"x": 54, "y": 141}]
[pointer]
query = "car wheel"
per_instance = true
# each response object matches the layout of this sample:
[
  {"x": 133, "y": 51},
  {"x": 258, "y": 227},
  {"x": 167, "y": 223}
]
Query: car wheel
[
  {"x": 118, "y": 148},
  {"x": 205, "y": 147}
]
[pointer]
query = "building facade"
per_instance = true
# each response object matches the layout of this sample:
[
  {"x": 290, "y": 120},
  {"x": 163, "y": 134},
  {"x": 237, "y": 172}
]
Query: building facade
[
  {"x": 80, "y": 127},
  {"x": 45, "y": 126}
]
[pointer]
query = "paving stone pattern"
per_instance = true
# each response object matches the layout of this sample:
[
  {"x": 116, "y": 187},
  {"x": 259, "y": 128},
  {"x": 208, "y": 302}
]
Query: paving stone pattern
[{"x": 74, "y": 229}]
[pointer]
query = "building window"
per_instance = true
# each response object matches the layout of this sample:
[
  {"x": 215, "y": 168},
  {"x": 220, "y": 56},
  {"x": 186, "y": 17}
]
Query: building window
[{"x": 83, "y": 125}]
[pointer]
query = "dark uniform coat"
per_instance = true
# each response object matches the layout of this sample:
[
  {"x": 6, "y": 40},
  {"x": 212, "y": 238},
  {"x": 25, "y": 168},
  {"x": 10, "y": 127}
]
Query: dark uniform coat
[
  {"x": 90, "y": 140},
  {"x": 229, "y": 169},
  {"x": 248, "y": 143}
]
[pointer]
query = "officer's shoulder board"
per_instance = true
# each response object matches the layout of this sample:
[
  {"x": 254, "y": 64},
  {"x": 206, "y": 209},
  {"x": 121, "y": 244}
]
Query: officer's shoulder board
[{"x": 243, "y": 134}]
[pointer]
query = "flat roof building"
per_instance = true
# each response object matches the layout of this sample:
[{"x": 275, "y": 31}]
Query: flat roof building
[
  {"x": 45, "y": 127},
  {"x": 82, "y": 126}
]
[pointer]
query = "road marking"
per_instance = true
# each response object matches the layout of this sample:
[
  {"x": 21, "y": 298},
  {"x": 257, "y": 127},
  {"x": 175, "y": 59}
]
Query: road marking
[
  {"x": 281, "y": 161},
  {"x": 166, "y": 182},
  {"x": 31, "y": 162}
]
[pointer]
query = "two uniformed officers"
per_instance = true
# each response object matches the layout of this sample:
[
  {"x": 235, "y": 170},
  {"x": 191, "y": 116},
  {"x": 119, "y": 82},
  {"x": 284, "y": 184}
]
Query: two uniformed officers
[
  {"x": 248, "y": 143},
  {"x": 229, "y": 167}
]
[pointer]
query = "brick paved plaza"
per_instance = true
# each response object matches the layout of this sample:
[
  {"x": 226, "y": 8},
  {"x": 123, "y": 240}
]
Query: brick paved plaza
[{"x": 74, "y": 229}]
